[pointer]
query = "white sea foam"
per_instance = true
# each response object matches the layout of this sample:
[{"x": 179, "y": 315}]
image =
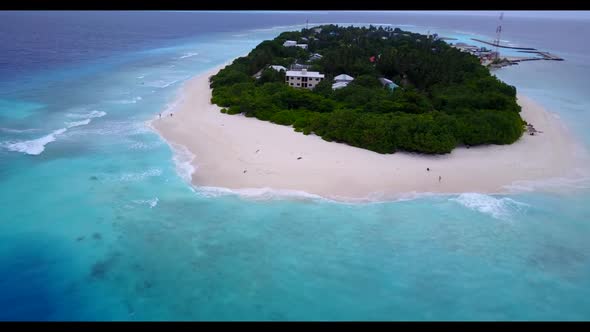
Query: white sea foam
[
  {"x": 151, "y": 202},
  {"x": 258, "y": 193},
  {"x": 133, "y": 100},
  {"x": 35, "y": 146},
  {"x": 140, "y": 175},
  {"x": 183, "y": 159},
  {"x": 135, "y": 145},
  {"x": 78, "y": 123},
  {"x": 188, "y": 55},
  {"x": 266, "y": 193},
  {"x": 87, "y": 115},
  {"x": 162, "y": 83},
  {"x": 122, "y": 128},
  {"x": 499, "y": 208},
  {"x": 18, "y": 131}
]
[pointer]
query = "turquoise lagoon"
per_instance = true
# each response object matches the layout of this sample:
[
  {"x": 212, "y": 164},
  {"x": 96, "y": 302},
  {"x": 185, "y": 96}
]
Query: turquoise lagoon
[{"x": 98, "y": 222}]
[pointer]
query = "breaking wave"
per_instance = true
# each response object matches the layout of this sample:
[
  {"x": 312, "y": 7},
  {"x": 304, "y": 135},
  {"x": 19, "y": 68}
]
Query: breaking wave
[
  {"x": 258, "y": 193},
  {"x": 266, "y": 193},
  {"x": 78, "y": 123},
  {"x": 35, "y": 146},
  {"x": 499, "y": 208},
  {"x": 183, "y": 159},
  {"x": 88, "y": 115}
]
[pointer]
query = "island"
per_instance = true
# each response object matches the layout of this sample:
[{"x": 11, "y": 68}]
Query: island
[
  {"x": 376, "y": 88},
  {"x": 378, "y": 114}
]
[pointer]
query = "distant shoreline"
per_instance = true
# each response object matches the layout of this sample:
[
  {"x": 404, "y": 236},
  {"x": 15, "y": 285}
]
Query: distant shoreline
[{"x": 236, "y": 152}]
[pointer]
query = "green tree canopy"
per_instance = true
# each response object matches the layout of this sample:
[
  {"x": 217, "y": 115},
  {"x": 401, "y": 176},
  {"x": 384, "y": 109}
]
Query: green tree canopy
[{"x": 445, "y": 97}]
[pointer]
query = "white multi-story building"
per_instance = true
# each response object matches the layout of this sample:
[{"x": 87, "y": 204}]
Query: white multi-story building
[{"x": 303, "y": 78}]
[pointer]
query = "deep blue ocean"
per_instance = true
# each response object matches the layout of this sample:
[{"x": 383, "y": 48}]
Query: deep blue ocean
[{"x": 97, "y": 221}]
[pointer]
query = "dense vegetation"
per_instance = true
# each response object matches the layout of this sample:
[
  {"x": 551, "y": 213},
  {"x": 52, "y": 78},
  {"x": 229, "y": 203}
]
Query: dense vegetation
[{"x": 445, "y": 99}]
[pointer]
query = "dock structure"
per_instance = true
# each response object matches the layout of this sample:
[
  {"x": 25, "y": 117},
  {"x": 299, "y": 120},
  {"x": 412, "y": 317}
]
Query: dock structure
[
  {"x": 503, "y": 46},
  {"x": 507, "y": 60},
  {"x": 549, "y": 56},
  {"x": 541, "y": 55}
]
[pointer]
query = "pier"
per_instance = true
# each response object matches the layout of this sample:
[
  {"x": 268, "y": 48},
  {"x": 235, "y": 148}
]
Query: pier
[
  {"x": 502, "y": 46},
  {"x": 549, "y": 56},
  {"x": 542, "y": 55}
]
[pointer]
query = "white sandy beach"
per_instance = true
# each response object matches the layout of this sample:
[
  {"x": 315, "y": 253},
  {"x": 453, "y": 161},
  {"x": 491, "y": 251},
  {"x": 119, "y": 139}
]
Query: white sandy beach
[{"x": 227, "y": 145}]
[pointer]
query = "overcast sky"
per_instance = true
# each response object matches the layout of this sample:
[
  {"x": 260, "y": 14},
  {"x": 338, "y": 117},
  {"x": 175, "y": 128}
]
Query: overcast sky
[
  {"x": 515, "y": 13},
  {"x": 564, "y": 14}
]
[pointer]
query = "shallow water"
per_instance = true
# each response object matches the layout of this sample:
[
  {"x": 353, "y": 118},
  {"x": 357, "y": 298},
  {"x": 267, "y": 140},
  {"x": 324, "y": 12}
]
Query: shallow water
[{"x": 98, "y": 223}]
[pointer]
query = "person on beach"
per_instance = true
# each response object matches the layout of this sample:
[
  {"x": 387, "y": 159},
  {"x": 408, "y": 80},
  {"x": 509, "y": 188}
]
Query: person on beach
[
  {"x": 439, "y": 178},
  {"x": 160, "y": 115}
]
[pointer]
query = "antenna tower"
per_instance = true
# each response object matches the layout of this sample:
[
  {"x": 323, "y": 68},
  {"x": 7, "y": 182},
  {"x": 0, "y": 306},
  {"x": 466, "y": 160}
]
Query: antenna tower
[{"x": 498, "y": 33}]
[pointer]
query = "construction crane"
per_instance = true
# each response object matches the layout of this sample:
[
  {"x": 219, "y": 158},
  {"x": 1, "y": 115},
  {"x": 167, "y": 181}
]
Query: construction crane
[{"x": 498, "y": 33}]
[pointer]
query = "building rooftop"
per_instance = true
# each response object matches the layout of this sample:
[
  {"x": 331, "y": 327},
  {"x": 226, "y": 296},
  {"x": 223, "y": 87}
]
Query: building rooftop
[
  {"x": 339, "y": 85},
  {"x": 304, "y": 73},
  {"x": 384, "y": 80},
  {"x": 387, "y": 82},
  {"x": 278, "y": 68},
  {"x": 299, "y": 66},
  {"x": 343, "y": 77}
]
